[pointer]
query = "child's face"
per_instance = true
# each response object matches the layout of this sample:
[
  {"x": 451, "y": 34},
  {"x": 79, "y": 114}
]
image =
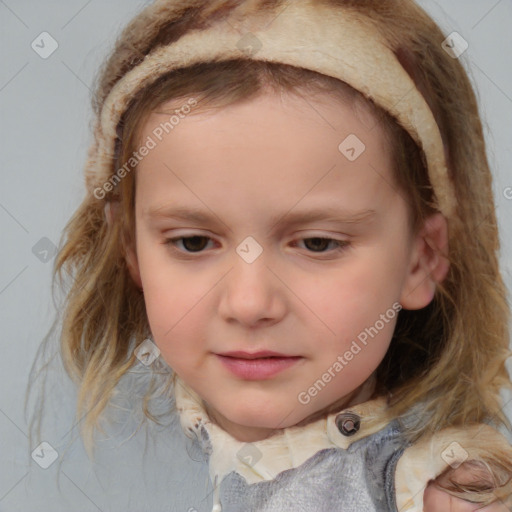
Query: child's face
[{"x": 249, "y": 170}]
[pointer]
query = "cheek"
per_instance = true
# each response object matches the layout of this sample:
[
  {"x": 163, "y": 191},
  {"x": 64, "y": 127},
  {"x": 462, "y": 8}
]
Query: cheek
[
  {"x": 176, "y": 321},
  {"x": 172, "y": 296},
  {"x": 357, "y": 292},
  {"x": 357, "y": 307},
  {"x": 173, "y": 308}
]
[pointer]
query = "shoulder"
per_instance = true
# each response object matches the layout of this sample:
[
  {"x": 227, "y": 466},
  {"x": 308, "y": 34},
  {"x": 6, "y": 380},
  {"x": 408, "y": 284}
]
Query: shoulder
[{"x": 433, "y": 457}]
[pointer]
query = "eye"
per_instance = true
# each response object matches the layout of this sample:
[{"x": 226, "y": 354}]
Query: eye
[
  {"x": 318, "y": 244},
  {"x": 191, "y": 244}
]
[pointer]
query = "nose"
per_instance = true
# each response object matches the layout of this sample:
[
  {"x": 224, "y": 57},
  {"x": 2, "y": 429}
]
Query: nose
[{"x": 252, "y": 294}]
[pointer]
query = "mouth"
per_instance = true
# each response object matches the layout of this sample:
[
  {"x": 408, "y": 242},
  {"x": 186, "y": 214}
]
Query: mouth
[
  {"x": 262, "y": 354},
  {"x": 257, "y": 365}
]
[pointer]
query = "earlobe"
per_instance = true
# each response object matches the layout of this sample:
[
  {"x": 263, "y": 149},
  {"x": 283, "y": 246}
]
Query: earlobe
[
  {"x": 111, "y": 212},
  {"x": 429, "y": 264}
]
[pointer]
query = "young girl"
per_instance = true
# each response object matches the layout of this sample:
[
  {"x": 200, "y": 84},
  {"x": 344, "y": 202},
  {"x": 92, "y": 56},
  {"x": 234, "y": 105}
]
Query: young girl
[{"x": 290, "y": 224}]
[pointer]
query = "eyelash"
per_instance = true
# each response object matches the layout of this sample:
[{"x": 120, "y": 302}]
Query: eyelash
[{"x": 172, "y": 242}]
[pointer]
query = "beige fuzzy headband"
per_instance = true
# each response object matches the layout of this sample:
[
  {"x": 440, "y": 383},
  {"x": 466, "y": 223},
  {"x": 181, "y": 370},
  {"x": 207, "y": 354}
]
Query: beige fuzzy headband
[{"x": 335, "y": 42}]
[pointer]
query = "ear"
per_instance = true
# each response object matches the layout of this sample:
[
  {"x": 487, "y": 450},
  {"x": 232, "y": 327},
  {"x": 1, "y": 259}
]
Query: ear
[
  {"x": 112, "y": 209},
  {"x": 428, "y": 264}
]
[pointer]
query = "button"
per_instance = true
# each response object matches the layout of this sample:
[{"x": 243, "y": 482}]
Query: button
[{"x": 348, "y": 423}]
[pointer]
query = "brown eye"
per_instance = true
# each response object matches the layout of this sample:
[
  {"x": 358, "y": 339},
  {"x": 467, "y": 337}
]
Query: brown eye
[
  {"x": 319, "y": 244},
  {"x": 190, "y": 243}
]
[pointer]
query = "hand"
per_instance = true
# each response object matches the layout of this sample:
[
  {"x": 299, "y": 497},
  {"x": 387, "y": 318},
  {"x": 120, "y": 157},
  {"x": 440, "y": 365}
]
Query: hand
[
  {"x": 468, "y": 473},
  {"x": 436, "y": 500}
]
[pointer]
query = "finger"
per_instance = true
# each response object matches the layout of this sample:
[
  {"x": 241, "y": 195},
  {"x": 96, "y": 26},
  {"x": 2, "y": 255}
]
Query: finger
[{"x": 436, "y": 500}]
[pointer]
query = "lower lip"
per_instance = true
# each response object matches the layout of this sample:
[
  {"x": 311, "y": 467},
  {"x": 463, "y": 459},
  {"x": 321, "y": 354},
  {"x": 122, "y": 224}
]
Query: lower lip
[{"x": 257, "y": 369}]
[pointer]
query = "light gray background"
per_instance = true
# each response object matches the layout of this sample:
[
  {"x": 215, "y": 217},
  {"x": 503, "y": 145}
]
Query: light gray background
[{"x": 45, "y": 115}]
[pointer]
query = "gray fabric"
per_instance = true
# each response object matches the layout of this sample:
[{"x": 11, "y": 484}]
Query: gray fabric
[{"x": 359, "y": 479}]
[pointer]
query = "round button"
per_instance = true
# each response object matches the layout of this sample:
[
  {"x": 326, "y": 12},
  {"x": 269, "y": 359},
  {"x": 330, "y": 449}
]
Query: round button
[{"x": 348, "y": 423}]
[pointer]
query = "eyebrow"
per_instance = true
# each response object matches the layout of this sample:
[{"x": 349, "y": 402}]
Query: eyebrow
[{"x": 290, "y": 218}]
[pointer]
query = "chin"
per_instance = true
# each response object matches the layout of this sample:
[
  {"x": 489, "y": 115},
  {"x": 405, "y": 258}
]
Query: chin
[{"x": 256, "y": 417}]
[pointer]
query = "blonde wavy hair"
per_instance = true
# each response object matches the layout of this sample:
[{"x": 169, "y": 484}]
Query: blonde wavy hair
[{"x": 449, "y": 357}]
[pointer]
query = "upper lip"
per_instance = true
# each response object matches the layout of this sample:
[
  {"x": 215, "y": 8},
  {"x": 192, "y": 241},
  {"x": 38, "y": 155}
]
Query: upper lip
[{"x": 240, "y": 354}]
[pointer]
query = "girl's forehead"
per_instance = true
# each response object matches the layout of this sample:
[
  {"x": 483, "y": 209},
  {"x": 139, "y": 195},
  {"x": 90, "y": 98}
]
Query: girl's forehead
[
  {"x": 301, "y": 103},
  {"x": 284, "y": 113},
  {"x": 272, "y": 148},
  {"x": 287, "y": 122}
]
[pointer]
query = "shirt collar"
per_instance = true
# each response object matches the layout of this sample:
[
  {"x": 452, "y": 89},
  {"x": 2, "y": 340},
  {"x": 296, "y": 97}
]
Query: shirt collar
[{"x": 288, "y": 448}]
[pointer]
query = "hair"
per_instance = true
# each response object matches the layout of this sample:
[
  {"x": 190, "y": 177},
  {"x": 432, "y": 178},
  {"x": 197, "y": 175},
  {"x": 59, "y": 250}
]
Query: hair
[{"x": 448, "y": 357}]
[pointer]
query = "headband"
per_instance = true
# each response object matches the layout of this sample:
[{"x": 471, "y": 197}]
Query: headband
[{"x": 336, "y": 42}]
